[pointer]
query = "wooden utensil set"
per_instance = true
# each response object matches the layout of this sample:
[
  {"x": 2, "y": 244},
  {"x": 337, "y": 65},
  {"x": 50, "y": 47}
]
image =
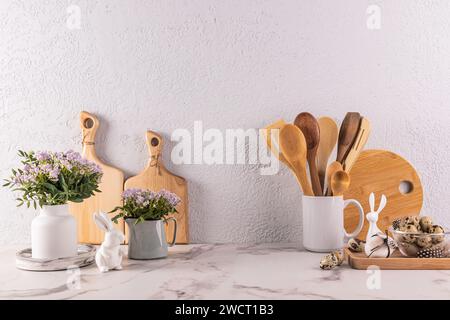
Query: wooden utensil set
[
  {"x": 309, "y": 142},
  {"x": 155, "y": 177}
]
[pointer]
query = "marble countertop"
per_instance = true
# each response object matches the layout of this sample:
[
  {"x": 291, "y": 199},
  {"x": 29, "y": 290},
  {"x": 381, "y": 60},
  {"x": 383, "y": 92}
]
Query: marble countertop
[{"x": 271, "y": 271}]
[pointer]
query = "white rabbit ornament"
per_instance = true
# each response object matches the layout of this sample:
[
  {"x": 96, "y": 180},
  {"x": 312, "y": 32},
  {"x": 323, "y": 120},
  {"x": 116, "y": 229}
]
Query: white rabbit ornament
[
  {"x": 109, "y": 255},
  {"x": 378, "y": 244}
]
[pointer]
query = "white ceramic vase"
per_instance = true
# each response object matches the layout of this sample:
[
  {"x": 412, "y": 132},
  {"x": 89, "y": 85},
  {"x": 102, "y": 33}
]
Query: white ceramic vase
[{"x": 54, "y": 233}]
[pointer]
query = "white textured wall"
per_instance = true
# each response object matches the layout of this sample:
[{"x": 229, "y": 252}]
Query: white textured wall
[{"x": 162, "y": 65}]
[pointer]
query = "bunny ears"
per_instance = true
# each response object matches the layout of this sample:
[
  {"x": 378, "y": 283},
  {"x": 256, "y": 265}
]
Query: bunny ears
[
  {"x": 372, "y": 203},
  {"x": 103, "y": 221}
]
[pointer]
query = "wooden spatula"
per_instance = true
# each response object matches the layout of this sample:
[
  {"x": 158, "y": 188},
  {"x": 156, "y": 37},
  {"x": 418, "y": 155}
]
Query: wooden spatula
[
  {"x": 358, "y": 145},
  {"x": 307, "y": 123},
  {"x": 328, "y": 138},
  {"x": 347, "y": 134},
  {"x": 332, "y": 168},
  {"x": 293, "y": 146},
  {"x": 271, "y": 138}
]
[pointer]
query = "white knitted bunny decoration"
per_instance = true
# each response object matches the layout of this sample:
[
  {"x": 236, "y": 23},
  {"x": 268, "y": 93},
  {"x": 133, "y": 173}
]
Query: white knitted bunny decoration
[
  {"x": 109, "y": 255},
  {"x": 376, "y": 242}
]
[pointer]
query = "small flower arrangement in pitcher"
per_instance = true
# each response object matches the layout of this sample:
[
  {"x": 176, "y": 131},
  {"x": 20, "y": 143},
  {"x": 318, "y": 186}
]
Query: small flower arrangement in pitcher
[
  {"x": 144, "y": 205},
  {"x": 146, "y": 214}
]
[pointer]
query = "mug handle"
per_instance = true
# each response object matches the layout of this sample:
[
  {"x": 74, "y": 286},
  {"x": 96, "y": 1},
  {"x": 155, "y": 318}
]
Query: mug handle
[
  {"x": 361, "y": 217},
  {"x": 174, "y": 231}
]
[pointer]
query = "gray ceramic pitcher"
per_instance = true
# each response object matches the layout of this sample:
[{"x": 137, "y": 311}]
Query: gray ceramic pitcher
[{"x": 148, "y": 239}]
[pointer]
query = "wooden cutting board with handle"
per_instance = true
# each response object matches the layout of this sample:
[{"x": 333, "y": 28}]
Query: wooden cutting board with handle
[
  {"x": 156, "y": 177},
  {"x": 383, "y": 172},
  {"x": 111, "y": 187}
]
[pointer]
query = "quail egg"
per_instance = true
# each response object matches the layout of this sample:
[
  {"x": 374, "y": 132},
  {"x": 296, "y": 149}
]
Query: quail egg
[
  {"x": 332, "y": 260},
  {"x": 425, "y": 223},
  {"x": 356, "y": 245},
  {"x": 413, "y": 220},
  {"x": 435, "y": 229},
  {"x": 424, "y": 241}
]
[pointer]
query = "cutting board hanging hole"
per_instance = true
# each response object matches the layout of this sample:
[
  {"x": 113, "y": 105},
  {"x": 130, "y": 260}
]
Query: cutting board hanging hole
[
  {"x": 155, "y": 142},
  {"x": 406, "y": 187},
  {"x": 88, "y": 123}
]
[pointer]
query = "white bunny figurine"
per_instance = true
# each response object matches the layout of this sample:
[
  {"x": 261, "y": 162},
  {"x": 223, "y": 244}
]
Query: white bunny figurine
[
  {"x": 376, "y": 239},
  {"x": 109, "y": 255}
]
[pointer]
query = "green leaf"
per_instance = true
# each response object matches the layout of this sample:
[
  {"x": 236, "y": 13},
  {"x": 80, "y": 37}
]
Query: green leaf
[
  {"x": 50, "y": 187},
  {"x": 116, "y": 218},
  {"x": 63, "y": 183},
  {"x": 115, "y": 209}
]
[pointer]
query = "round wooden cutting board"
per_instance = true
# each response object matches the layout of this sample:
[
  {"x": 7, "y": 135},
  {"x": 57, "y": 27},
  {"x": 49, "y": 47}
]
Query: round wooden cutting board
[{"x": 383, "y": 172}]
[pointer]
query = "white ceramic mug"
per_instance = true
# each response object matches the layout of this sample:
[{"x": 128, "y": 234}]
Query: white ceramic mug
[{"x": 323, "y": 223}]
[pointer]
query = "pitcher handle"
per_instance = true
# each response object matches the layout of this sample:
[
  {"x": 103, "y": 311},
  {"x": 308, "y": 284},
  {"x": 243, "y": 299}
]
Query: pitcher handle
[
  {"x": 174, "y": 230},
  {"x": 361, "y": 217}
]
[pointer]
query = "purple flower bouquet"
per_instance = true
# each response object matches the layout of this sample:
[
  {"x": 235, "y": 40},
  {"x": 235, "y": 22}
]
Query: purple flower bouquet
[
  {"x": 54, "y": 178},
  {"x": 146, "y": 205}
]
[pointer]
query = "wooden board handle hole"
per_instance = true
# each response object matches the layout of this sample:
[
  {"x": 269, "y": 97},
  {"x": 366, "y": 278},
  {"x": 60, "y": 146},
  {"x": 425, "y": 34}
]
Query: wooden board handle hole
[
  {"x": 154, "y": 142},
  {"x": 88, "y": 123},
  {"x": 406, "y": 187}
]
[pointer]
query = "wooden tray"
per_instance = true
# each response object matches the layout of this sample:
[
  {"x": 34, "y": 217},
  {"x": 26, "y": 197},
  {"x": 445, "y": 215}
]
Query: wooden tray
[{"x": 395, "y": 262}]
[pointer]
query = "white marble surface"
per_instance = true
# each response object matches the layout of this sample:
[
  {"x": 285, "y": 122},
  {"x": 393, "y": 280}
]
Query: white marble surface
[{"x": 273, "y": 271}]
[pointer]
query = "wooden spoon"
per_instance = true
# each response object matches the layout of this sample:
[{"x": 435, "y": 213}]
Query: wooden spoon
[
  {"x": 332, "y": 168},
  {"x": 340, "y": 181},
  {"x": 358, "y": 146},
  {"x": 272, "y": 140},
  {"x": 347, "y": 134},
  {"x": 328, "y": 138},
  {"x": 308, "y": 124},
  {"x": 293, "y": 147}
]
